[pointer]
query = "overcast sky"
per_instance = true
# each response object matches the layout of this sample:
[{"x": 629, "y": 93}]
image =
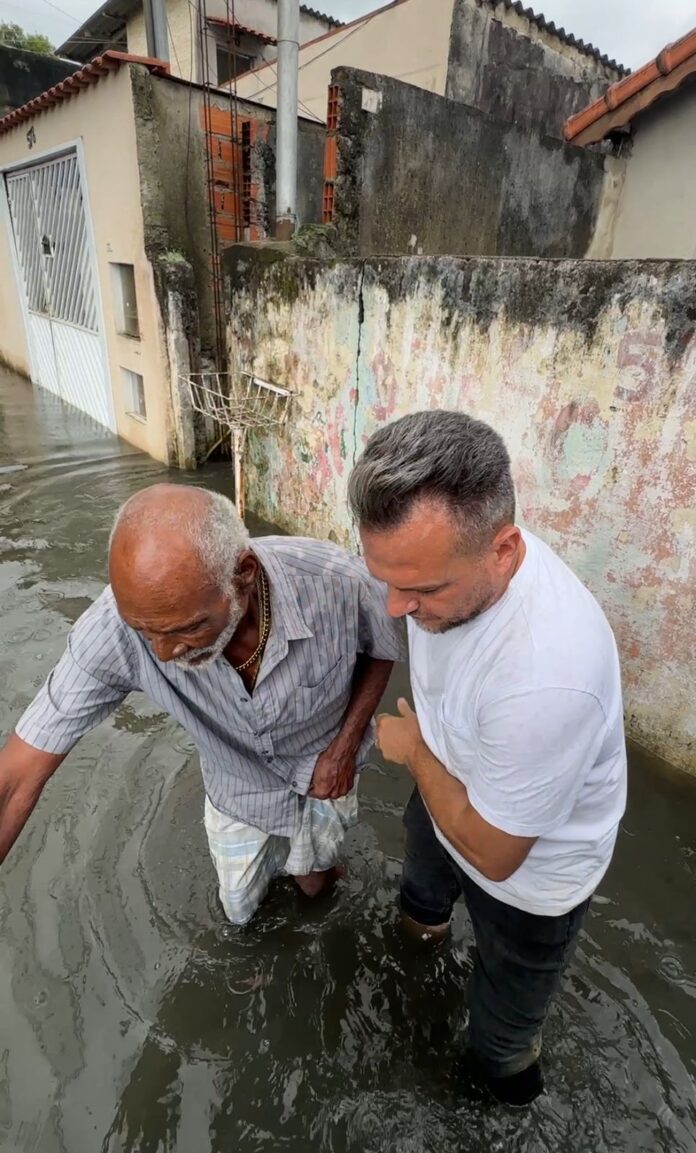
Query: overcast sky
[{"x": 630, "y": 31}]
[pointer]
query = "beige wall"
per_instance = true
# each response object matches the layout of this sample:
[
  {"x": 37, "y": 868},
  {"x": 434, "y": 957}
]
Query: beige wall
[
  {"x": 408, "y": 41},
  {"x": 102, "y": 117},
  {"x": 185, "y": 60},
  {"x": 14, "y": 349},
  {"x": 182, "y": 19},
  {"x": 655, "y": 213}
]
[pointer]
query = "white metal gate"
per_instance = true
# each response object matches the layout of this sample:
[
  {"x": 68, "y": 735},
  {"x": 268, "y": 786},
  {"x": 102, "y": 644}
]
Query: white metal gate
[{"x": 55, "y": 258}]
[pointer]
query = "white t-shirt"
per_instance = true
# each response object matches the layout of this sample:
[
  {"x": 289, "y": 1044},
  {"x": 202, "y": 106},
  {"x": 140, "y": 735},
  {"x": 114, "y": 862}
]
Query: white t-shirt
[{"x": 523, "y": 705}]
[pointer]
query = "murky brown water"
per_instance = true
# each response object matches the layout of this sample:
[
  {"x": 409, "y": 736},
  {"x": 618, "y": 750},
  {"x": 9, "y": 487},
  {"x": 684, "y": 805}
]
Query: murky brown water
[{"x": 133, "y": 1019}]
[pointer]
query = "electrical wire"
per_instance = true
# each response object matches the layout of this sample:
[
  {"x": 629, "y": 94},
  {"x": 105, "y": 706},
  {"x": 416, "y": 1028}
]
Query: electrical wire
[
  {"x": 171, "y": 41},
  {"x": 334, "y": 44},
  {"x": 55, "y": 7},
  {"x": 308, "y": 111}
]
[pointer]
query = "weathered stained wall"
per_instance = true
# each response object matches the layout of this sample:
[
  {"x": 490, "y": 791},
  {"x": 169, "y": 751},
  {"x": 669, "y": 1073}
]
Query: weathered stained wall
[
  {"x": 419, "y": 173},
  {"x": 436, "y": 45},
  {"x": 25, "y": 75},
  {"x": 501, "y": 62},
  {"x": 169, "y": 118},
  {"x": 587, "y": 369}
]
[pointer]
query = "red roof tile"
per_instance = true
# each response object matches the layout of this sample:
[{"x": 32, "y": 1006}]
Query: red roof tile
[
  {"x": 72, "y": 85},
  {"x": 636, "y": 92},
  {"x": 220, "y": 22}
]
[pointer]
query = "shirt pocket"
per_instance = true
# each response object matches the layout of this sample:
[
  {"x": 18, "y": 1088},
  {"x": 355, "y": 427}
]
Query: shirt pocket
[
  {"x": 460, "y": 743},
  {"x": 317, "y": 702}
]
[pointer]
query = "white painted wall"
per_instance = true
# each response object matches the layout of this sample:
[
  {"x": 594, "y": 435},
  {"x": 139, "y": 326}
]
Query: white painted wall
[{"x": 655, "y": 215}]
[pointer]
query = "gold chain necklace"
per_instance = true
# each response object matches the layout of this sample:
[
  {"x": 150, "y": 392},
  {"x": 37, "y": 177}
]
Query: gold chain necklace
[{"x": 264, "y": 624}]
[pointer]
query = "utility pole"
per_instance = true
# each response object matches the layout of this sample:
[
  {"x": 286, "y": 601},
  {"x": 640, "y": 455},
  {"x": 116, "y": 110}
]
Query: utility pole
[
  {"x": 286, "y": 158},
  {"x": 156, "y": 32}
]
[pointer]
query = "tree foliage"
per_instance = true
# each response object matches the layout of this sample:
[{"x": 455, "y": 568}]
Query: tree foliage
[{"x": 14, "y": 36}]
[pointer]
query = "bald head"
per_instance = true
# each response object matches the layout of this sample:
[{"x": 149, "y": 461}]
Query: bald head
[
  {"x": 181, "y": 569},
  {"x": 169, "y": 533}
]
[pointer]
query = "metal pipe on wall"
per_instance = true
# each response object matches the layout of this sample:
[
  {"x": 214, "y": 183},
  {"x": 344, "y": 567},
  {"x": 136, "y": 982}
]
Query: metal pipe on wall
[
  {"x": 286, "y": 149},
  {"x": 156, "y": 32}
]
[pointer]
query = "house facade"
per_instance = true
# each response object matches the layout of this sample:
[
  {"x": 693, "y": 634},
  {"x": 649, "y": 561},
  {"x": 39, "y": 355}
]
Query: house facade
[
  {"x": 212, "y": 42},
  {"x": 649, "y": 209},
  {"x": 495, "y": 55},
  {"x": 109, "y": 240}
]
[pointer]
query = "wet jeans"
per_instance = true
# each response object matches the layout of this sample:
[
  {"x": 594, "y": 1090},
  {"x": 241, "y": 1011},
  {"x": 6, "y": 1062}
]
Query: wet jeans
[{"x": 519, "y": 957}]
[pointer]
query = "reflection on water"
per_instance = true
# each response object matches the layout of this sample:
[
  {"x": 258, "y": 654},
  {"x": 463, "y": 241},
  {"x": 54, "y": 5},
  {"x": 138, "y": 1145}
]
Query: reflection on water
[{"x": 132, "y": 1018}]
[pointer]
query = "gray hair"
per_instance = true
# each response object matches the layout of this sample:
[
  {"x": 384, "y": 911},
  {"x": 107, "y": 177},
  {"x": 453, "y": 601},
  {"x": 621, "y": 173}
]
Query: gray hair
[
  {"x": 207, "y": 521},
  {"x": 436, "y": 455}
]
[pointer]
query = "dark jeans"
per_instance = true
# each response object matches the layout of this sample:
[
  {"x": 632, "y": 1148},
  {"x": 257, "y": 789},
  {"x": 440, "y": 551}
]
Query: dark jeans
[{"x": 519, "y": 957}]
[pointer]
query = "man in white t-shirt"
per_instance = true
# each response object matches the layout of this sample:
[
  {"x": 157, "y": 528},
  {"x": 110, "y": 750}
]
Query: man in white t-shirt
[{"x": 516, "y": 745}]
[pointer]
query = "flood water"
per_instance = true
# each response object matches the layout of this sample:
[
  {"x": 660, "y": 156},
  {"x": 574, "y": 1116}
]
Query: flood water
[{"x": 133, "y": 1019}]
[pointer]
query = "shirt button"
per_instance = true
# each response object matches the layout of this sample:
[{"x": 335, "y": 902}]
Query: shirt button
[{"x": 294, "y": 784}]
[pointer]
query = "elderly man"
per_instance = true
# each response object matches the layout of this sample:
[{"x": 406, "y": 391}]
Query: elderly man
[
  {"x": 272, "y": 657},
  {"x": 516, "y": 746}
]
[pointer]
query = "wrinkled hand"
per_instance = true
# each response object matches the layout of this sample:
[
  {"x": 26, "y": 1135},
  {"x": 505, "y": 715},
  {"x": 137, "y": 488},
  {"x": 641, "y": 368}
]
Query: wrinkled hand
[
  {"x": 333, "y": 776},
  {"x": 398, "y": 738}
]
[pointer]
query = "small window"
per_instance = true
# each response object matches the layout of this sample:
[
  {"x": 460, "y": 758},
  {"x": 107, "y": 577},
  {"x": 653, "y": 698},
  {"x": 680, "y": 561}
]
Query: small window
[
  {"x": 231, "y": 64},
  {"x": 134, "y": 394},
  {"x": 125, "y": 300}
]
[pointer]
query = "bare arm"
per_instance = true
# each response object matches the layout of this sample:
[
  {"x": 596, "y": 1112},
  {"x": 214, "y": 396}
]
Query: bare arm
[
  {"x": 495, "y": 853},
  {"x": 24, "y": 771},
  {"x": 369, "y": 682},
  {"x": 335, "y": 770}
]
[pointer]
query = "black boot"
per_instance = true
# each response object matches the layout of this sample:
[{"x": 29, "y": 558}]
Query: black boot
[{"x": 519, "y": 1090}]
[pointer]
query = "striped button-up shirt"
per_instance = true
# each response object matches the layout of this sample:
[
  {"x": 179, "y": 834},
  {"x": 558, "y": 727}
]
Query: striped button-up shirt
[{"x": 258, "y": 751}]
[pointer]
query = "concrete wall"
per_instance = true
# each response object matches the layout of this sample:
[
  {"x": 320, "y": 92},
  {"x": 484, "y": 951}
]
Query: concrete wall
[
  {"x": 419, "y": 173},
  {"x": 496, "y": 59},
  {"x": 587, "y": 369},
  {"x": 24, "y": 75},
  {"x": 113, "y": 193},
  {"x": 501, "y": 62},
  {"x": 173, "y": 178},
  {"x": 654, "y": 211}
]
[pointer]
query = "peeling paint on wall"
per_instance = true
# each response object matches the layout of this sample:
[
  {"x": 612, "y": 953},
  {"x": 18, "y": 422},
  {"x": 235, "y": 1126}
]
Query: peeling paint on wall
[{"x": 587, "y": 370}]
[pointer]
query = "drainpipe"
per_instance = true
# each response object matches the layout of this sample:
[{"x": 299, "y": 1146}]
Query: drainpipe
[
  {"x": 156, "y": 34},
  {"x": 286, "y": 157}
]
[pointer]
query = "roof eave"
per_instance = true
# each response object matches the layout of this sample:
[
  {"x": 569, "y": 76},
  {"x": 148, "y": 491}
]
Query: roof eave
[{"x": 625, "y": 99}]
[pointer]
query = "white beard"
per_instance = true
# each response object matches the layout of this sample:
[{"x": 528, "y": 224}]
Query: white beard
[{"x": 205, "y": 657}]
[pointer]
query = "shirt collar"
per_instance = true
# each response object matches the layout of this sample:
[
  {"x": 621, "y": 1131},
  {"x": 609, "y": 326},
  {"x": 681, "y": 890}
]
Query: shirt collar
[{"x": 285, "y": 604}]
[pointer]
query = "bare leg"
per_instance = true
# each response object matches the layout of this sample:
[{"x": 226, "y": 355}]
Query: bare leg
[
  {"x": 316, "y": 884},
  {"x": 424, "y": 932}
]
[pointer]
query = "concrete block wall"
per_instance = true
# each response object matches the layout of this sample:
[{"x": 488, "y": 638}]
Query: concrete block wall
[
  {"x": 587, "y": 369},
  {"x": 417, "y": 173}
]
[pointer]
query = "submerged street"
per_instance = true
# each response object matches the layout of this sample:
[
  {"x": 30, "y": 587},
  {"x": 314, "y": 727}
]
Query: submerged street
[{"x": 133, "y": 1018}]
